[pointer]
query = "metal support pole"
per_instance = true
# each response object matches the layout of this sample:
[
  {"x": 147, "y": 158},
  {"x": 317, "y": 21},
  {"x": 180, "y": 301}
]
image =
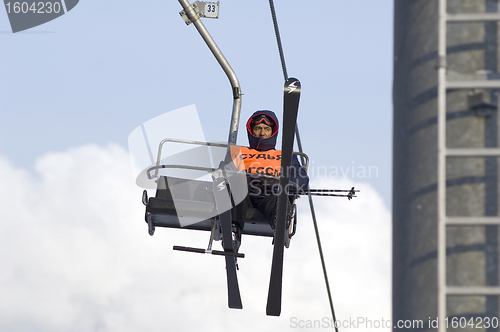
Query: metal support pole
[
  {"x": 235, "y": 85},
  {"x": 441, "y": 162}
]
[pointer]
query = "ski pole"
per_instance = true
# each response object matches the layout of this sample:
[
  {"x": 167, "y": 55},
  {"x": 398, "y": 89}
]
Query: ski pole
[
  {"x": 327, "y": 194},
  {"x": 328, "y": 190}
]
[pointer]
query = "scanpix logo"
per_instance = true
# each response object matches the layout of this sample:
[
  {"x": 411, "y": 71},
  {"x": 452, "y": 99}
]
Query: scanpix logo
[{"x": 26, "y": 14}]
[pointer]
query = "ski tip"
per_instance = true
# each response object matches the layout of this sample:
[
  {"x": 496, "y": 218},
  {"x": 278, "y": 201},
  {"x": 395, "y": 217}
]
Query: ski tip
[{"x": 292, "y": 85}]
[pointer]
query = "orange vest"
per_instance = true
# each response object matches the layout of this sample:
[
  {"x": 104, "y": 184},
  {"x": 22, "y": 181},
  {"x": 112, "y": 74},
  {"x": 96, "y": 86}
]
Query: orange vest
[{"x": 257, "y": 162}]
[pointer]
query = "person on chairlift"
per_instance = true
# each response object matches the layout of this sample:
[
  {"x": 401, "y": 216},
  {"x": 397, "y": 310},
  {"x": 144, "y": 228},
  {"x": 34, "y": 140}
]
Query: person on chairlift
[{"x": 261, "y": 159}]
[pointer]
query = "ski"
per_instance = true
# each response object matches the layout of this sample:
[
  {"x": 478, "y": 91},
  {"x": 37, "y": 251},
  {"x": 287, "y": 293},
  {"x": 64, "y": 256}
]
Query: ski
[
  {"x": 223, "y": 203},
  {"x": 233, "y": 290},
  {"x": 291, "y": 96}
]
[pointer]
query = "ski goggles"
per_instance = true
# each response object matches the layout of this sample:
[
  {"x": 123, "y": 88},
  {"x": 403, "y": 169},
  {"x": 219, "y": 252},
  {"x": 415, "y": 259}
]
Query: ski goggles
[{"x": 262, "y": 118}]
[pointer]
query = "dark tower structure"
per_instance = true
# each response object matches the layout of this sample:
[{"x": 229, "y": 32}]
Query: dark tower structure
[{"x": 446, "y": 167}]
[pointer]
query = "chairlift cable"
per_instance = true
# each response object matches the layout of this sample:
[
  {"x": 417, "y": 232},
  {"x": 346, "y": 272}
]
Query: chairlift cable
[
  {"x": 299, "y": 144},
  {"x": 278, "y": 39}
]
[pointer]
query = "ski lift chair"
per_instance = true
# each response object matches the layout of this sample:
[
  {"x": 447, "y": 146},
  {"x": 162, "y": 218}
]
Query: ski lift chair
[{"x": 197, "y": 202}]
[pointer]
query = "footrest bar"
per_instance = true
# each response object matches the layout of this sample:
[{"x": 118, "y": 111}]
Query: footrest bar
[{"x": 213, "y": 252}]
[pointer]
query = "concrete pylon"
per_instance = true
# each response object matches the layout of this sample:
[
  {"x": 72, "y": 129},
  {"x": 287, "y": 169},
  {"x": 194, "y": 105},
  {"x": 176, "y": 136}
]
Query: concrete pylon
[{"x": 472, "y": 182}]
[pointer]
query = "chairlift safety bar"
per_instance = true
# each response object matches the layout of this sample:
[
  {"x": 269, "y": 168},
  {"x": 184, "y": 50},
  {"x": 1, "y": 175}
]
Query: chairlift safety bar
[
  {"x": 173, "y": 140},
  {"x": 194, "y": 168},
  {"x": 222, "y": 145}
]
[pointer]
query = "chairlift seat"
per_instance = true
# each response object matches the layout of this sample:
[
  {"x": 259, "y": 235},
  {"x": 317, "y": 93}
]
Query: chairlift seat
[{"x": 197, "y": 202}]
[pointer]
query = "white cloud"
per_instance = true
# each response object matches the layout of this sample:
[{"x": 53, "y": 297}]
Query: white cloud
[{"x": 76, "y": 256}]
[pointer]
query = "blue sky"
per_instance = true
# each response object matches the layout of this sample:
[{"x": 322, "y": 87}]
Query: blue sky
[
  {"x": 94, "y": 74},
  {"x": 77, "y": 86}
]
